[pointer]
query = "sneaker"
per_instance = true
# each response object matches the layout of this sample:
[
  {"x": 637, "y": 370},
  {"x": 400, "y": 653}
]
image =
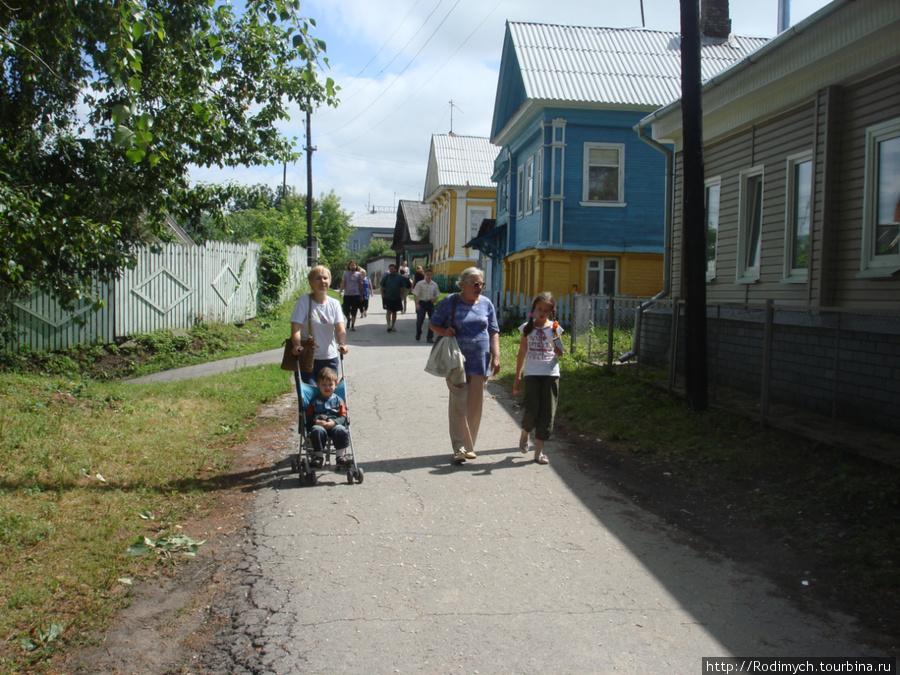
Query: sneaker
[
  {"x": 418, "y": 338},
  {"x": 389, "y": 329},
  {"x": 459, "y": 456},
  {"x": 344, "y": 460},
  {"x": 317, "y": 462},
  {"x": 470, "y": 455}
]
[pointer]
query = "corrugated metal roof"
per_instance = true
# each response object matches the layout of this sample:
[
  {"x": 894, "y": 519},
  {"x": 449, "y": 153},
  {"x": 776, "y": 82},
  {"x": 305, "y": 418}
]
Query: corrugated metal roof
[
  {"x": 380, "y": 220},
  {"x": 410, "y": 215},
  {"x": 463, "y": 160},
  {"x": 618, "y": 66}
]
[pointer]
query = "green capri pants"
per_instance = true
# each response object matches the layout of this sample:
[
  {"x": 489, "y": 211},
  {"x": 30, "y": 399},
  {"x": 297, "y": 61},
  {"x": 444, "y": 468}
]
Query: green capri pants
[{"x": 540, "y": 393}]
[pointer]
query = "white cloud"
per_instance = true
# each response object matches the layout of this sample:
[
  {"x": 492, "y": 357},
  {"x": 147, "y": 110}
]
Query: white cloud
[{"x": 400, "y": 63}]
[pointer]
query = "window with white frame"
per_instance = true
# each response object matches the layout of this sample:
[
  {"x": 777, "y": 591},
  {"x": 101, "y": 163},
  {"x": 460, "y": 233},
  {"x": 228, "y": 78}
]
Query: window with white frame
[
  {"x": 539, "y": 179},
  {"x": 881, "y": 205},
  {"x": 529, "y": 185},
  {"x": 604, "y": 174},
  {"x": 750, "y": 224},
  {"x": 602, "y": 276},
  {"x": 711, "y": 198},
  {"x": 798, "y": 201},
  {"x": 520, "y": 202}
]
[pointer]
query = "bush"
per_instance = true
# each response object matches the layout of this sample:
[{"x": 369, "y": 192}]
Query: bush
[{"x": 273, "y": 270}]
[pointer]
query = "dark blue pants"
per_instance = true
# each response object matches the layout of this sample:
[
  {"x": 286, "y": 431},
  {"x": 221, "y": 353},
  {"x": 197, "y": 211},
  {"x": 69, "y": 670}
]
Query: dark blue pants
[
  {"x": 319, "y": 436},
  {"x": 424, "y": 308}
]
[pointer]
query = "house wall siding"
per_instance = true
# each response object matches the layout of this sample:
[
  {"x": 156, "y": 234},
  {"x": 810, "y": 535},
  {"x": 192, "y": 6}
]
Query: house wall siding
[
  {"x": 843, "y": 365},
  {"x": 833, "y": 126}
]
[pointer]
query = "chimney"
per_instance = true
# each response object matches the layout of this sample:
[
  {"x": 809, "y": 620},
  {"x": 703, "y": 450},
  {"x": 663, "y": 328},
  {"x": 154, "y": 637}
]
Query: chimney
[{"x": 715, "y": 21}]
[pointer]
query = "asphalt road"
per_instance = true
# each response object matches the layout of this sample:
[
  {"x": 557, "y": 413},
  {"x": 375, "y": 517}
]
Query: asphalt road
[{"x": 496, "y": 566}]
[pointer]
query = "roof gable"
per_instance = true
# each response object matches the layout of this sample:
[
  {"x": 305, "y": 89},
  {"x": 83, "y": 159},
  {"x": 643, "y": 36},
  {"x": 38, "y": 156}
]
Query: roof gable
[
  {"x": 459, "y": 162},
  {"x": 607, "y": 67},
  {"x": 410, "y": 215}
]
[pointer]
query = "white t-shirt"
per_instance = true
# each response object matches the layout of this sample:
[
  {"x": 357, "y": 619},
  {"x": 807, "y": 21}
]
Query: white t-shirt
[
  {"x": 540, "y": 359},
  {"x": 324, "y": 319}
]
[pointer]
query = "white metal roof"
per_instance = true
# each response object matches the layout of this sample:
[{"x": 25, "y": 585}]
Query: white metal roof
[
  {"x": 381, "y": 220},
  {"x": 460, "y": 161},
  {"x": 617, "y": 66}
]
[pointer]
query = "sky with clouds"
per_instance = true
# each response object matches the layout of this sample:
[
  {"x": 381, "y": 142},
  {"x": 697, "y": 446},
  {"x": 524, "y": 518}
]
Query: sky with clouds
[{"x": 400, "y": 63}]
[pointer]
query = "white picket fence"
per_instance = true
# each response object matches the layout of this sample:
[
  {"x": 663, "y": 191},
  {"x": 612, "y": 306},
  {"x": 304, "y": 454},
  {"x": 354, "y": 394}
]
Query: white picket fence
[
  {"x": 513, "y": 305},
  {"x": 174, "y": 286}
]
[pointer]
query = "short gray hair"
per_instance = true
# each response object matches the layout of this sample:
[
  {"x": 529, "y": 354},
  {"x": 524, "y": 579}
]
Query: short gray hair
[{"x": 466, "y": 275}]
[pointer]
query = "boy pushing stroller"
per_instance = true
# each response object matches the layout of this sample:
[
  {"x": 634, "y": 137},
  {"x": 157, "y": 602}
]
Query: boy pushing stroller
[{"x": 326, "y": 418}]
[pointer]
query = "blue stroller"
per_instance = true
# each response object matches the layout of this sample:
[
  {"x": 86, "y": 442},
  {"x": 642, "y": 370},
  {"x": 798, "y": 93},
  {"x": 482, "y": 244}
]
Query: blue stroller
[{"x": 302, "y": 463}]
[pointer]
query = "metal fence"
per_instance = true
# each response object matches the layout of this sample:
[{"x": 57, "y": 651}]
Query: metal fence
[
  {"x": 837, "y": 363},
  {"x": 607, "y": 328},
  {"x": 173, "y": 286}
]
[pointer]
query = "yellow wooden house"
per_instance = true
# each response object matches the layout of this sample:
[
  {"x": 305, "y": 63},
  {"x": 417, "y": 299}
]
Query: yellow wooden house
[{"x": 460, "y": 193}]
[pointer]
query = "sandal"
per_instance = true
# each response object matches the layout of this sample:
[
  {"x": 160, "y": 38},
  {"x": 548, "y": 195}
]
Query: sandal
[{"x": 542, "y": 459}]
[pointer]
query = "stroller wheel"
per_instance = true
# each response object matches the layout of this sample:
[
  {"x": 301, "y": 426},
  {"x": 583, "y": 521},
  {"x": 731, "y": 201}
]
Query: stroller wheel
[
  {"x": 359, "y": 475},
  {"x": 350, "y": 476},
  {"x": 312, "y": 478}
]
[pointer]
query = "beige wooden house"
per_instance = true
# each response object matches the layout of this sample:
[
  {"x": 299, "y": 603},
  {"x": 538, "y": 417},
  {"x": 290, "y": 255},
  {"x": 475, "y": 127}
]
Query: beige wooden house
[{"x": 802, "y": 184}]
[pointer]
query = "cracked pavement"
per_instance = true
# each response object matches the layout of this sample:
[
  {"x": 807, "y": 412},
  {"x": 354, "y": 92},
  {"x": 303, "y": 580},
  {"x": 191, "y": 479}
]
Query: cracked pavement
[{"x": 499, "y": 565}]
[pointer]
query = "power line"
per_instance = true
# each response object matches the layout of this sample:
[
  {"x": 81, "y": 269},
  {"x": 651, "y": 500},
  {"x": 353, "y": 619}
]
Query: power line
[
  {"x": 425, "y": 81},
  {"x": 387, "y": 42},
  {"x": 397, "y": 76}
]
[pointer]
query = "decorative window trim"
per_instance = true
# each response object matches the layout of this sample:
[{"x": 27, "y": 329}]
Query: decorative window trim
[
  {"x": 539, "y": 179},
  {"x": 872, "y": 265},
  {"x": 585, "y": 178},
  {"x": 795, "y": 274},
  {"x": 529, "y": 185},
  {"x": 520, "y": 175},
  {"x": 709, "y": 183},
  {"x": 747, "y": 273}
]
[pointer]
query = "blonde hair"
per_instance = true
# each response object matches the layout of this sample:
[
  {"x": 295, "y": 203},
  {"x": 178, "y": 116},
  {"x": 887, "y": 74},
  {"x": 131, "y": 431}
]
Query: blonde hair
[{"x": 318, "y": 270}]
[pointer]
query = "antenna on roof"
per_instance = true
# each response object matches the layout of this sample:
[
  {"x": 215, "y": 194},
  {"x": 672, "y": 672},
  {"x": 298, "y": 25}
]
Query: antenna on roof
[{"x": 451, "y": 116}]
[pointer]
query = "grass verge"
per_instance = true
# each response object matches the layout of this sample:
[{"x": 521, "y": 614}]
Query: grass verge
[{"x": 91, "y": 467}]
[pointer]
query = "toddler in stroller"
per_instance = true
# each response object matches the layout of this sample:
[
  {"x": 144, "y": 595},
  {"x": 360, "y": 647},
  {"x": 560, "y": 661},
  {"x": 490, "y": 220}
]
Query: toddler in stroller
[
  {"x": 326, "y": 419},
  {"x": 324, "y": 425}
]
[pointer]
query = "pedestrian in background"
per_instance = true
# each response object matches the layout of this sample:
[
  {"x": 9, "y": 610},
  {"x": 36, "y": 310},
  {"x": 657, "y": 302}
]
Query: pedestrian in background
[
  {"x": 367, "y": 292},
  {"x": 404, "y": 270},
  {"x": 393, "y": 284},
  {"x": 351, "y": 292},
  {"x": 426, "y": 292},
  {"x": 537, "y": 368},
  {"x": 470, "y": 317}
]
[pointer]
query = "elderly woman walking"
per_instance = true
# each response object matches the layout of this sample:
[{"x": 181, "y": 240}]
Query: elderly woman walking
[{"x": 472, "y": 318}]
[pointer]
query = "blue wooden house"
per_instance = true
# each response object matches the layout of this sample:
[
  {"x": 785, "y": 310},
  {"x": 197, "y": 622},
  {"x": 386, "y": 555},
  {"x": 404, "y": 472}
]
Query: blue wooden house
[{"x": 581, "y": 198}]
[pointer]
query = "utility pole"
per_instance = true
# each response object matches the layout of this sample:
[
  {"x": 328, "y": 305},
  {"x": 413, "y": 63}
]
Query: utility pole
[
  {"x": 693, "y": 211},
  {"x": 311, "y": 244}
]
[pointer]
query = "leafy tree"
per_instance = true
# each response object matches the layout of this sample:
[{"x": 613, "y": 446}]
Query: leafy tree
[
  {"x": 331, "y": 224},
  {"x": 375, "y": 249},
  {"x": 272, "y": 272},
  {"x": 106, "y": 104}
]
